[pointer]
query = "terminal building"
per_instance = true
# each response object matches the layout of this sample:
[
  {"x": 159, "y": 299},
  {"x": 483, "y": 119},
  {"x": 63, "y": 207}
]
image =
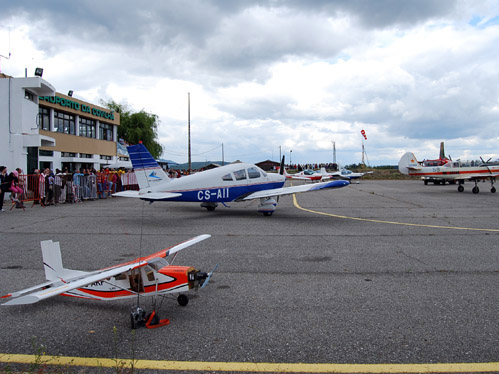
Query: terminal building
[{"x": 41, "y": 128}]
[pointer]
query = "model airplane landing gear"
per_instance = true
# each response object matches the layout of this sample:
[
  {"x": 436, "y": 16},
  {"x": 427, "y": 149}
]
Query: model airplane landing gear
[{"x": 182, "y": 300}]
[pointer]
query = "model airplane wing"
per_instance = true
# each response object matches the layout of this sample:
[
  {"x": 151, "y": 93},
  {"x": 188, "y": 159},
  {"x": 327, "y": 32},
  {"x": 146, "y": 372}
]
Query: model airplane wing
[
  {"x": 49, "y": 289},
  {"x": 294, "y": 189},
  {"x": 149, "y": 196}
]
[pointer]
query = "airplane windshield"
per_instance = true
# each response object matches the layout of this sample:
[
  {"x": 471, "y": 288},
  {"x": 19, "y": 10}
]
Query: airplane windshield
[
  {"x": 157, "y": 263},
  {"x": 227, "y": 177}
]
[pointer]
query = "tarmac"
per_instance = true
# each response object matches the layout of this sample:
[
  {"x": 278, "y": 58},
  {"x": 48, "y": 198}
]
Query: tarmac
[{"x": 376, "y": 274}]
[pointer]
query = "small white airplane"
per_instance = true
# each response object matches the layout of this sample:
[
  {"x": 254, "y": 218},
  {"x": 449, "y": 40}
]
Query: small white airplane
[
  {"x": 458, "y": 171},
  {"x": 234, "y": 182},
  {"x": 344, "y": 174},
  {"x": 150, "y": 275},
  {"x": 308, "y": 175}
]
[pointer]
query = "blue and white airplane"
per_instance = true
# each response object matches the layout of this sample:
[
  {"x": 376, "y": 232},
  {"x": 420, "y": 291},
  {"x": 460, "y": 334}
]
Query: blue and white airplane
[{"x": 234, "y": 182}]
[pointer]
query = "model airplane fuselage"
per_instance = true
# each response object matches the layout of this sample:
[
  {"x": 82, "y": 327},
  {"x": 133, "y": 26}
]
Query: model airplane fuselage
[
  {"x": 234, "y": 182},
  {"x": 452, "y": 170}
]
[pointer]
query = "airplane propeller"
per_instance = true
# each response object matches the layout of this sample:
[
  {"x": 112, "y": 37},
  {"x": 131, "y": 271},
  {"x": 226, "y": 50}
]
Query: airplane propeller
[
  {"x": 209, "y": 277},
  {"x": 281, "y": 168}
]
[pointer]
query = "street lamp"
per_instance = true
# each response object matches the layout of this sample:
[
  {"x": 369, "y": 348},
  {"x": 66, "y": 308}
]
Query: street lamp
[{"x": 290, "y": 157}]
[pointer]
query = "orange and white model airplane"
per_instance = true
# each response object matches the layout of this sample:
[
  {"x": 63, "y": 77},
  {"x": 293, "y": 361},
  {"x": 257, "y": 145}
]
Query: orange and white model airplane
[
  {"x": 150, "y": 275},
  {"x": 458, "y": 171}
]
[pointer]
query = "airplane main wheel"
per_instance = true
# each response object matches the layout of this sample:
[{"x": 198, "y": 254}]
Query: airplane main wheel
[
  {"x": 460, "y": 188},
  {"x": 210, "y": 208},
  {"x": 182, "y": 300},
  {"x": 493, "y": 190},
  {"x": 267, "y": 214},
  {"x": 475, "y": 189}
]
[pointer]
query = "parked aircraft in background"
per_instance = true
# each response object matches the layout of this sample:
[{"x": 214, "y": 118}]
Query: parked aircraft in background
[
  {"x": 347, "y": 174},
  {"x": 234, "y": 182},
  {"x": 308, "y": 175},
  {"x": 150, "y": 275},
  {"x": 458, "y": 171}
]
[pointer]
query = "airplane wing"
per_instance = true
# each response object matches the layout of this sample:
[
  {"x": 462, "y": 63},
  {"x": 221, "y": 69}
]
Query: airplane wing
[
  {"x": 294, "y": 189},
  {"x": 148, "y": 196},
  {"x": 49, "y": 289}
]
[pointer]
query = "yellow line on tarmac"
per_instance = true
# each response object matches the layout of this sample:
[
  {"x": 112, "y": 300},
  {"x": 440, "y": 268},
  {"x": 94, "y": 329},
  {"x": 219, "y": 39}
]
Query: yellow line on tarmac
[
  {"x": 295, "y": 202},
  {"x": 486, "y": 367}
]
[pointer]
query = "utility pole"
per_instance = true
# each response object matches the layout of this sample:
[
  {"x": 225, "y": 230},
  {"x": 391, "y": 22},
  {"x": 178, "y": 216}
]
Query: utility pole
[
  {"x": 223, "y": 161},
  {"x": 189, "y": 132}
]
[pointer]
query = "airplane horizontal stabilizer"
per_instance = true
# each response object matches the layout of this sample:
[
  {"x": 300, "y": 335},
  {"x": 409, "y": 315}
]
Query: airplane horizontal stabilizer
[{"x": 148, "y": 196}]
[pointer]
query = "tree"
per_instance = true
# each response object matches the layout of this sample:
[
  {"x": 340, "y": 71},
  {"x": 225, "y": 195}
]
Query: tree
[{"x": 137, "y": 126}]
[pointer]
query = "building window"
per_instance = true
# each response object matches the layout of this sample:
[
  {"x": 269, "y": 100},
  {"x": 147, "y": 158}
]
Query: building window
[
  {"x": 29, "y": 95},
  {"x": 68, "y": 154},
  {"x": 102, "y": 157},
  {"x": 106, "y": 131},
  {"x": 44, "y": 118},
  {"x": 42, "y": 152},
  {"x": 86, "y": 155},
  {"x": 87, "y": 127},
  {"x": 64, "y": 123}
]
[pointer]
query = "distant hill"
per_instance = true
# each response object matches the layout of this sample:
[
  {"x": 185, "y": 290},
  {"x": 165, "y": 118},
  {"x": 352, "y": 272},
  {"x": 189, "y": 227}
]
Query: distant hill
[{"x": 196, "y": 165}]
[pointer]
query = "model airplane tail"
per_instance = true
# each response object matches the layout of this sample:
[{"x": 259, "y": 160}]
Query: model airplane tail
[
  {"x": 146, "y": 169},
  {"x": 408, "y": 162},
  {"x": 52, "y": 262}
]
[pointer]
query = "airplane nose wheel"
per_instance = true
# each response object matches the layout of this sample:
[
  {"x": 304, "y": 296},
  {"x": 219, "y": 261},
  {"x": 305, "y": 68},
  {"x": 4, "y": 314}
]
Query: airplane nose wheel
[
  {"x": 460, "y": 188},
  {"x": 493, "y": 190},
  {"x": 182, "y": 300},
  {"x": 475, "y": 189}
]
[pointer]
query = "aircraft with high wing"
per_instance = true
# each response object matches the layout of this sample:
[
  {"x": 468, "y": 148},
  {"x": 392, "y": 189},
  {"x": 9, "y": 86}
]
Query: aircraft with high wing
[
  {"x": 235, "y": 182},
  {"x": 457, "y": 171},
  {"x": 150, "y": 275}
]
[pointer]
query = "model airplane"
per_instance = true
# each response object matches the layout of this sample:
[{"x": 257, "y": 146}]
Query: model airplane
[
  {"x": 234, "y": 182},
  {"x": 150, "y": 275},
  {"x": 458, "y": 171}
]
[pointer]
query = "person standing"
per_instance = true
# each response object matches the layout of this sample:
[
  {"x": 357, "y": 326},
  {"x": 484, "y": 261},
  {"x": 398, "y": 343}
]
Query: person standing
[{"x": 4, "y": 186}]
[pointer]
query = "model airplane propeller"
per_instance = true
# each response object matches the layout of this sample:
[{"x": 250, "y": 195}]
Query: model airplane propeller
[
  {"x": 151, "y": 275},
  {"x": 234, "y": 182}
]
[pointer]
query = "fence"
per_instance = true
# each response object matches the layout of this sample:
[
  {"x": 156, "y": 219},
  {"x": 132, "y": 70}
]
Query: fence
[{"x": 71, "y": 188}]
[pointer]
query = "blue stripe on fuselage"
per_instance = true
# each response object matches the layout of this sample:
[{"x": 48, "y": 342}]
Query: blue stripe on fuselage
[{"x": 221, "y": 194}]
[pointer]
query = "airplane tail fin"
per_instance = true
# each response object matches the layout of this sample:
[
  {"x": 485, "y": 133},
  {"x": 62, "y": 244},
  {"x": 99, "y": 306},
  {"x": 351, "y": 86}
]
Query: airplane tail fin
[
  {"x": 408, "y": 162},
  {"x": 52, "y": 262},
  {"x": 146, "y": 169},
  {"x": 442, "y": 151}
]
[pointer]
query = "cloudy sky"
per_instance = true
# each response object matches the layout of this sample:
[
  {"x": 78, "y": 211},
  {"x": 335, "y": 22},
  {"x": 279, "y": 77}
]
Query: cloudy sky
[{"x": 271, "y": 77}]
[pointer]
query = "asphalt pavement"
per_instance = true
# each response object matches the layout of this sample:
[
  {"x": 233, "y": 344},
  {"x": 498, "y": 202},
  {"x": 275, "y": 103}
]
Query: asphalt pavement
[{"x": 377, "y": 272}]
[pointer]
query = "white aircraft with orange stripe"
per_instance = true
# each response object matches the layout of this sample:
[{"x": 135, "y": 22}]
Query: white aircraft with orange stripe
[
  {"x": 150, "y": 275},
  {"x": 458, "y": 171}
]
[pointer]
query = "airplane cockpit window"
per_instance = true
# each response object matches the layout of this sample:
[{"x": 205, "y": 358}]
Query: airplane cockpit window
[
  {"x": 227, "y": 177},
  {"x": 253, "y": 173},
  {"x": 157, "y": 263},
  {"x": 240, "y": 174},
  {"x": 308, "y": 172}
]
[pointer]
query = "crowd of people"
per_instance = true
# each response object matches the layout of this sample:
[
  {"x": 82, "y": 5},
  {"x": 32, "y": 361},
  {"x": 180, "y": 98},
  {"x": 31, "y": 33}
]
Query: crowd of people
[{"x": 49, "y": 187}]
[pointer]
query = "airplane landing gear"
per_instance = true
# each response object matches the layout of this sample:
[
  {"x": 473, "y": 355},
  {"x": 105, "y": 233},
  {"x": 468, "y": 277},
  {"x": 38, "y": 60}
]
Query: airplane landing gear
[
  {"x": 210, "y": 207},
  {"x": 460, "y": 188},
  {"x": 475, "y": 189},
  {"x": 182, "y": 300},
  {"x": 493, "y": 189}
]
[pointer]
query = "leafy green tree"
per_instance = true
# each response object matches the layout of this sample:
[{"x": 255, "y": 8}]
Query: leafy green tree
[{"x": 137, "y": 126}]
